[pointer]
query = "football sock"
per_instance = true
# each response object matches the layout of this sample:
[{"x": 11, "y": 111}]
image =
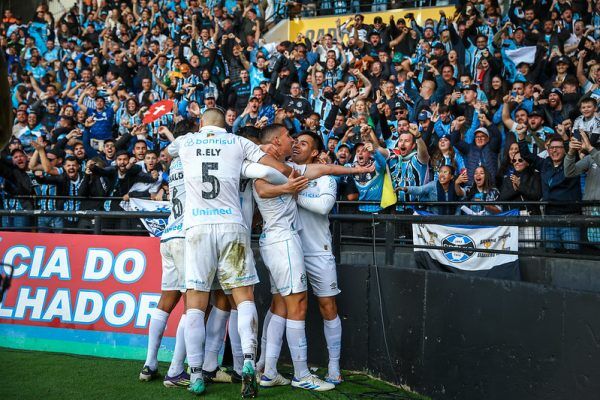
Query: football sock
[
  {"x": 296, "y": 338},
  {"x": 274, "y": 342},
  {"x": 260, "y": 365},
  {"x": 333, "y": 337},
  {"x": 236, "y": 344},
  {"x": 176, "y": 366},
  {"x": 194, "y": 341},
  {"x": 215, "y": 334},
  {"x": 156, "y": 328},
  {"x": 248, "y": 327}
]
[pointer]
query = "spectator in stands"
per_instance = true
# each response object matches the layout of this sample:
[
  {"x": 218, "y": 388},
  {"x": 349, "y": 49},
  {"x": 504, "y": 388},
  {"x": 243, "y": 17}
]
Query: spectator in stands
[
  {"x": 482, "y": 189},
  {"x": 557, "y": 188},
  {"x": 444, "y": 188},
  {"x": 522, "y": 183},
  {"x": 589, "y": 164},
  {"x": 82, "y": 86}
]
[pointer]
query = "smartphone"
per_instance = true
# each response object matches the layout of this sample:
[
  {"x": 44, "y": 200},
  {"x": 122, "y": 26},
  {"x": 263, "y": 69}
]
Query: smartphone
[{"x": 576, "y": 134}]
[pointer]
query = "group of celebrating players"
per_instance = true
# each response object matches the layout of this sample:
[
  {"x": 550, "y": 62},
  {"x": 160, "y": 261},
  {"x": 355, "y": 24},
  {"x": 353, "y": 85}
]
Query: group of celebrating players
[{"x": 216, "y": 178}]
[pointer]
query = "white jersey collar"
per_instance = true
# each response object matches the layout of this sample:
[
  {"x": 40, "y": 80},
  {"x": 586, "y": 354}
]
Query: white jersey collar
[{"x": 212, "y": 129}]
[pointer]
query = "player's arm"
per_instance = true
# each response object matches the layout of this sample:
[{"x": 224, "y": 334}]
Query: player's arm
[
  {"x": 252, "y": 170},
  {"x": 314, "y": 171},
  {"x": 266, "y": 190},
  {"x": 323, "y": 203}
]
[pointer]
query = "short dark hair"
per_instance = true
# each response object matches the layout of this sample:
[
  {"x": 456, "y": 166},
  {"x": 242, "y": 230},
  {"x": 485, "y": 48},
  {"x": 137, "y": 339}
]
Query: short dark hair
[
  {"x": 269, "y": 132},
  {"x": 316, "y": 139}
]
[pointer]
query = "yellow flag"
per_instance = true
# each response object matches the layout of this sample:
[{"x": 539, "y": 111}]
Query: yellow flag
[{"x": 388, "y": 195}]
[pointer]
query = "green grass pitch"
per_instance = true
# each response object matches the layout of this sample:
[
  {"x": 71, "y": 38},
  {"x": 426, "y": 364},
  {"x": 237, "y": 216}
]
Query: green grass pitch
[{"x": 39, "y": 375}]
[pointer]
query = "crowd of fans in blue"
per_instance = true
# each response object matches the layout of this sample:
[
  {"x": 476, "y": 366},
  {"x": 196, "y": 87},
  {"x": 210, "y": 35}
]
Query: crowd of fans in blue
[{"x": 497, "y": 102}]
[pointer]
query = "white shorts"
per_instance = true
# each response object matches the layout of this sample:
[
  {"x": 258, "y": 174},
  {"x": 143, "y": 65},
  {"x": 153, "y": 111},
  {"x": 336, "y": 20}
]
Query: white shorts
[
  {"x": 222, "y": 251},
  {"x": 322, "y": 274},
  {"x": 173, "y": 264},
  {"x": 285, "y": 262},
  {"x": 217, "y": 286}
]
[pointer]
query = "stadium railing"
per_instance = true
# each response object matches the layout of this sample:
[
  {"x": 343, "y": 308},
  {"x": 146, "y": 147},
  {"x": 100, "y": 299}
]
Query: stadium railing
[{"x": 390, "y": 231}]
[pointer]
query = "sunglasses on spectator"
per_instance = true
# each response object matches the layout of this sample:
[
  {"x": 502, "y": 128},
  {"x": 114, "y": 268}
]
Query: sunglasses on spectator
[{"x": 517, "y": 160}]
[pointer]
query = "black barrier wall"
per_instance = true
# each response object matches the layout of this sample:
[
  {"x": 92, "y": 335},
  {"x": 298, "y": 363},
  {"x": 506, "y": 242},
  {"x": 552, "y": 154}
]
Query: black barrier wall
[{"x": 454, "y": 337}]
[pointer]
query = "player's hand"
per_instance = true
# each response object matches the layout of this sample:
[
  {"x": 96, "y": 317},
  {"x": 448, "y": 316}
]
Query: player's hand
[
  {"x": 194, "y": 110},
  {"x": 271, "y": 150},
  {"x": 364, "y": 169},
  {"x": 296, "y": 184}
]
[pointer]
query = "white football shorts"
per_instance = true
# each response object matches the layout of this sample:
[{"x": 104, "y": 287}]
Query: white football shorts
[
  {"x": 173, "y": 264},
  {"x": 322, "y": 274},
  {"x": 285, "y": 262},
  {"x": 222, "y": 251}
]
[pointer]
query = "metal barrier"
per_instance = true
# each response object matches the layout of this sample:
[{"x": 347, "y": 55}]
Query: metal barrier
[{"x": 387, "y": 232}]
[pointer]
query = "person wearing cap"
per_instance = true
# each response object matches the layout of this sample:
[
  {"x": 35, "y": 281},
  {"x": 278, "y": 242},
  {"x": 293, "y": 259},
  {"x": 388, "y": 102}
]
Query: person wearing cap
[
  {"x": 554, "y": 110},
  {"x": 536, "y": 131},
  {"x": 483, "y": 150},
  {"x": 190, "y": 85},
  {"x": 561, "y": 65},
  {"x": 249, "y": 116},
  {"x": 101, "y": 119}
]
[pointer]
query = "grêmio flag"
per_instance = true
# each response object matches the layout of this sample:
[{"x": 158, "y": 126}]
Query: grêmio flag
[
  {"x": 155, "y": 226},
  {"x": 454, "y": 248}
]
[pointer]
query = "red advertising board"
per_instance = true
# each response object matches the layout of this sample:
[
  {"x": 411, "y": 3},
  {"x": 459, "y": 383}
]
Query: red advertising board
[{"x": 70, "y": 289}]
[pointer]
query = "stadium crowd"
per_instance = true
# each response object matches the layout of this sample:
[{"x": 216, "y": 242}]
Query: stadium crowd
[{"x": 487, "y": 104}]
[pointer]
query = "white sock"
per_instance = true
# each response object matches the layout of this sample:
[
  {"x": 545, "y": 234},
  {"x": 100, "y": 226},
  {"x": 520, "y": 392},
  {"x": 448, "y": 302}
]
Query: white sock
[
  {"x": 333, "y": 337},
  {"x": 215, "y": 334},
  {"x": 260, "y": 365},
  {"x": 236, "y": 344},
  {"x": 247, "y": 327},
  {"x": 194, "y": 341},
  {"x": 176, "y": 366},
  {"x": 156, "y": 328},
  {"x": 296, "y": 338},
  {"x": 274, "y": 342}
]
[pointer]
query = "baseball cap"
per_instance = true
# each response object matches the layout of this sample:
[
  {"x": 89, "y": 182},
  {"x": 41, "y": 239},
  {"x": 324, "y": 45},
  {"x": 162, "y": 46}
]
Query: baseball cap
[
  {"x": 439, "y": 45},
  {"x": 483, "y": 130},
  {"x": 424, "y": 115},
  {"x": 536, "y": 113},
  {"x": 557, "y": 91},
  {"x": 562, "y": 60}
]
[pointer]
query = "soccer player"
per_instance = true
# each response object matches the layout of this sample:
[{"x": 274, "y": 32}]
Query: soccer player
[
  {"x": 224, "y": 307},
  {"x": 316, "y": 202},
  {"x": 217, "y": 240},
  {"x": 172, "y": 247},
  {"x": 281, "y": 250}
]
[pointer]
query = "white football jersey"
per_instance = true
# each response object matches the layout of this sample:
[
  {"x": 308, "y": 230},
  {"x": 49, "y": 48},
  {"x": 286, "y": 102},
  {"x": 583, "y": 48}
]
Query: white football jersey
[
  {"x": 247, "y": 201},
  {"x": 174, "y": 227},
  {"x": 212, "y": 162},
  {"x": 315, "y": 233},
  {"x": 280, "y": 215}
]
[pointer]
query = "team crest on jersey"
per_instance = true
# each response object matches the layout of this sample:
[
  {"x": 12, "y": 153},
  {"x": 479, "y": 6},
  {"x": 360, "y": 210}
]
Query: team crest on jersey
[
  {"x": 303, "y": 279},
  {"x": 189, "y": 142},
  {"x": 333, "y": 285},
  {"x": 312, "y": 184}
]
